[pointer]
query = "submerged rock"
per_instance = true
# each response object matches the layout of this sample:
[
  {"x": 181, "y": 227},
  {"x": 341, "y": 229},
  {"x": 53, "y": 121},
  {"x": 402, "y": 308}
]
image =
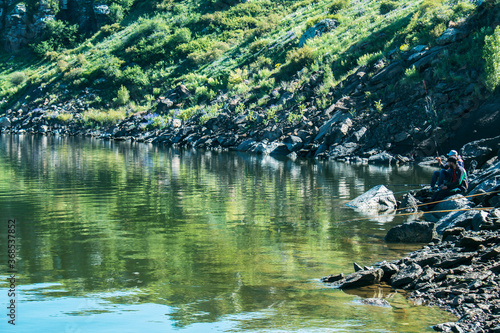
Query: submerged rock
[{"x": 376, "y": 302}]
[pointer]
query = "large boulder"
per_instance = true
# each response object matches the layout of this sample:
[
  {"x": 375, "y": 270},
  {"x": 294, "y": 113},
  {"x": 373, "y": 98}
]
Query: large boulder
[
  {"x": 485, "y": 181},
  {"x": 343, "y": 150},
  {"x": 4, "y": 122},
  {"x": 379, "y": 198},
  {"x": 318, "y": 29},
  {"x": 481, "y": 150},
  {"x": 411, "y": 232},
  {"x": 338, "y": 121},
  {"x": 470, "y": 219},
  {"x": 442, "y": 209}
]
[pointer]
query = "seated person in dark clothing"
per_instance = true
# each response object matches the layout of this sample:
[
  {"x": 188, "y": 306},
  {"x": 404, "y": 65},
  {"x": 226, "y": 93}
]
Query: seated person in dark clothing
[
  {"x": 456, "y": 181},
  {"x": 440, "y": 175}
]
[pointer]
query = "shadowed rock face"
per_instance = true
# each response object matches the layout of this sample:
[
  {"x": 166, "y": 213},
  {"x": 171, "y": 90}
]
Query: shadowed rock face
[{"x": 20, "y": 25}]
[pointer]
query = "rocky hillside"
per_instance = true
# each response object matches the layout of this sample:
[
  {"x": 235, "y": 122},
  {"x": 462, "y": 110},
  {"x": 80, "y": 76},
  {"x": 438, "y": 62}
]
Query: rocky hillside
[{"x": 382, "y": 80}]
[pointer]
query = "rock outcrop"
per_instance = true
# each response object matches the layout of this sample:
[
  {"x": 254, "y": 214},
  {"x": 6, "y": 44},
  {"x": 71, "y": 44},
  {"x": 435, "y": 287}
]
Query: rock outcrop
[
  {"x": 318, "y": 29},
  {"x": 378, "y": 198}
]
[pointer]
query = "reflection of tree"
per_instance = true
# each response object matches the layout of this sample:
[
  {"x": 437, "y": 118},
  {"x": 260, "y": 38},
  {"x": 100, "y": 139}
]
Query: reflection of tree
[{"x": 208, "y": 233}]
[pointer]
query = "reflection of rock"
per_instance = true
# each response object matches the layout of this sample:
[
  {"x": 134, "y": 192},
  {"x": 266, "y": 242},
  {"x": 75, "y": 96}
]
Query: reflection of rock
[
  {"x": 378, "y": 198},
  {"x": 376, "y": 302}
]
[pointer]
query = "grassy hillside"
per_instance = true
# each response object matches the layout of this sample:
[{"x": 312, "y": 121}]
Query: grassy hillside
[{"x": 234, "y": 56}]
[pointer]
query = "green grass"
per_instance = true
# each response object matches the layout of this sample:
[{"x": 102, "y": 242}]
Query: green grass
[{"x": 241, "y": 49}]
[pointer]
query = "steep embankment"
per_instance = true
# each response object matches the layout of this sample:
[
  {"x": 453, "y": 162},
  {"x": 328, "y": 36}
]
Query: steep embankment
[{"x": 330, "y": 79}]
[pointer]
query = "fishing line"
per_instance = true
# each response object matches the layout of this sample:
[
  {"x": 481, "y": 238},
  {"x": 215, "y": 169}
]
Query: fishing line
[{"x": 420, "y": 212}]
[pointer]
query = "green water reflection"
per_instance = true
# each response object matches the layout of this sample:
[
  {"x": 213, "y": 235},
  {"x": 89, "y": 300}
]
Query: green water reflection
[{"x": 131, "y": 237}]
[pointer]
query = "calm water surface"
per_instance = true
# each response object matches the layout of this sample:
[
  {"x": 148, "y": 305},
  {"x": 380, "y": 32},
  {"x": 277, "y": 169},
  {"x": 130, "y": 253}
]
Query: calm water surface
[{"x": 125, "y": 237}]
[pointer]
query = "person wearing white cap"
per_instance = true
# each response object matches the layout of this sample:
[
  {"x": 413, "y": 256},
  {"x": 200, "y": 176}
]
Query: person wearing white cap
[{"x": 440, "y": 176}]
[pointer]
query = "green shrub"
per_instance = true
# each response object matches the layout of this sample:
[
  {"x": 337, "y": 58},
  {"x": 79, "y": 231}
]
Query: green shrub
[
  {"x": 491, "y": 56},
  {"x": 205, "y": 57},
  {"x": 57, "y": 35},
  {"x": 108, "y": 30},
  {"x": 257, "y": 45},
  {"x": 135, "y": 76},
  {"x": 338, "y": 5},
  {"x": 123, "y": 96},
  {"x": 388, "y": 6},
  {"x": 312, "y": 21},
  {"x": 299, "y": 58},
  {"x": 17, "y": 78},
  {"x": 93, "y": 116},
  {"x": 412, "y": 75},
  {"x": 429, "y": 5},
  {"x": 116, "y": 13},
  {"x": 181, "y": 36},
  {"x": 369, "y": 58}
]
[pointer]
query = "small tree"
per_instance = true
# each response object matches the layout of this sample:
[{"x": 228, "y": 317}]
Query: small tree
[
  {"x": 491, "y": 55},
  {"x": 123, "y": 96}
]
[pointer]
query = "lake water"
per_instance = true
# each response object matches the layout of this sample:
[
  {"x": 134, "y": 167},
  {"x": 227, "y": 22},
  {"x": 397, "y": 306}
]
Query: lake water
[{"x": 127, "y": 237}]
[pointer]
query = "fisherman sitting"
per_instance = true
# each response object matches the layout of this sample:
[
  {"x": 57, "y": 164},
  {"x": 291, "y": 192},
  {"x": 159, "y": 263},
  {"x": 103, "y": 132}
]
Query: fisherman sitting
[
  {"x": 440, "y": 175},
  {"x": 456, "y": 180}
]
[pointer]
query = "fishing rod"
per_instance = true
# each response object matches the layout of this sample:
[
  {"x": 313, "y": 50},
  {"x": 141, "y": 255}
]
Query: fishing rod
[
  {"x": 415, "y": 213},
  {"x": 435, "y": 202},
  {"x": 439, "y": 201}
]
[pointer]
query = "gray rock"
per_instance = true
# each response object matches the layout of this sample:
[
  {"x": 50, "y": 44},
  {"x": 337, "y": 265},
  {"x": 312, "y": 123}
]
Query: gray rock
[
  {"x": 101, "y": 10},
  {"x": 389, "y": 270},
  {"x": 362, "y": 279},
  {"x": 176, "y": 123},
  {"x": 406, "y": 275},
  {"x": 246, "y": 145},
  {"x": 357, "y": 267},
  {"x": 453, "y": 202},
  {"x": 294, "y": 143},
  {"x": 318, "y": 29},
  {"x": 411, "y": 232},
  {"x": 280, "y": 149},
  {"x": 379, "y": 198},
  {"x": 333, "y": 278},
  {"x": 382, "y": 158},
  {"x": 450, "y": 35},
  {"x": 344, "y": 150},
  {"x": 329, "y": 128},
  {"x": 481, "y": 150},
  {"x": 272, "y": 134},
  {"x": 409, "y": 203},
  {"x": 448, "y": 327},
  {"x": 387, "y": 73},
  {"x": 376, "y": 302},
  {"x": 4, "y": 122},
  {"x": 457, "y": 219}
]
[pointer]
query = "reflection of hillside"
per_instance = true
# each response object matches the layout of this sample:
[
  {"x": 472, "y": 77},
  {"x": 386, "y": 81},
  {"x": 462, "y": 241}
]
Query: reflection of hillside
[{"x": 209, "y": 234}]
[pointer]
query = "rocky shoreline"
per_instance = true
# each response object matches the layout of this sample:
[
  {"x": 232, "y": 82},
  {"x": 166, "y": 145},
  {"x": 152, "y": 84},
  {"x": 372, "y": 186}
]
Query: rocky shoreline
[{"x": 459, "y": 269}]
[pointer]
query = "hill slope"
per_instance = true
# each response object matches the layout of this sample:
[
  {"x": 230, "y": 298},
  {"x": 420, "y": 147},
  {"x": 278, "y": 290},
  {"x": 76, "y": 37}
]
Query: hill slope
[{"x": 408, "y": 77}]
